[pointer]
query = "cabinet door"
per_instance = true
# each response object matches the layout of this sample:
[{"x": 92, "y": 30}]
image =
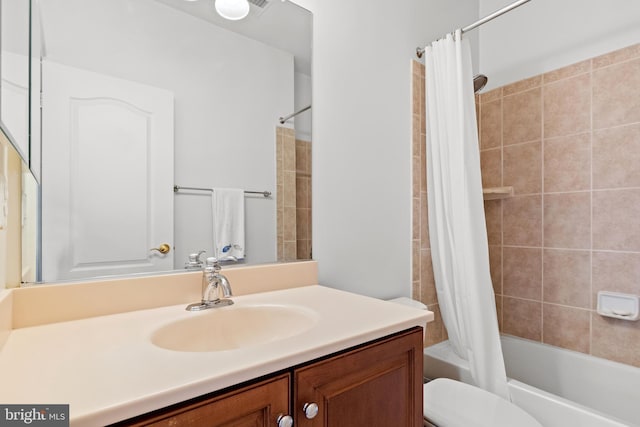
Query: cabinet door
[
  {"x": 379, "y": 385},
  {"x": 253, "y": 406}
]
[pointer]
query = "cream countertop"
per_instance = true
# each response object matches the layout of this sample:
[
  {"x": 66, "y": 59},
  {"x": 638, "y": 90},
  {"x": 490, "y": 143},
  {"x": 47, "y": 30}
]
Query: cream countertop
[{"x": 108, "y": 370}]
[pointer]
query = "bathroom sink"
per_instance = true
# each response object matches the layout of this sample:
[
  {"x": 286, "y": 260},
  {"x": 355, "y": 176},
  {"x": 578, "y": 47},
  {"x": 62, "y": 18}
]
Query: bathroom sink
[{"x": 233, "y": 327}]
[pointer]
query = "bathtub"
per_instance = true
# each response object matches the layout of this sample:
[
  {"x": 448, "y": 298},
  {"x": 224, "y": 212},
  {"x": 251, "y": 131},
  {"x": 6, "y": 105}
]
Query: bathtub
[{"x": 560, "y": 388}]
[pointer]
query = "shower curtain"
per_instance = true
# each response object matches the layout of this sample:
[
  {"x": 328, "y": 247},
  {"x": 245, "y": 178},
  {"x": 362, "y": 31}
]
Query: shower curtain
[{"x": 458, "y": 237}]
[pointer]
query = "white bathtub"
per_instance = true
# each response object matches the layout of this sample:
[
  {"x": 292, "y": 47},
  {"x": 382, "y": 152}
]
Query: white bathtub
[{"x": 560, "y": 388}]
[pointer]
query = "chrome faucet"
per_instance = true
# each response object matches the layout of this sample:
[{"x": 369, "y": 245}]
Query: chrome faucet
[{"x": 212, "y": 284}]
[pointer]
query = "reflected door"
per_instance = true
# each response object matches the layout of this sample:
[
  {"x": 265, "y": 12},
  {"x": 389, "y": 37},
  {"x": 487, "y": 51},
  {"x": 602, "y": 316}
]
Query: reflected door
[{"x": 107, "y": 182}]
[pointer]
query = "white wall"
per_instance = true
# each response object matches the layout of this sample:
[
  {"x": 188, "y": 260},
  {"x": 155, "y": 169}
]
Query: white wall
[
  {"x": 302, "y": 96},
  {"x": 362, "y": 135},
  {"x": 547, "y": 34},
  {"x": 229, "y": 91}
]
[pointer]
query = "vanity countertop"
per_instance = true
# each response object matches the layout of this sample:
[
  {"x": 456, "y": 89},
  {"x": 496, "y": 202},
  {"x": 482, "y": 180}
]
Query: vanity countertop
[{"x": 107, "y": 369}]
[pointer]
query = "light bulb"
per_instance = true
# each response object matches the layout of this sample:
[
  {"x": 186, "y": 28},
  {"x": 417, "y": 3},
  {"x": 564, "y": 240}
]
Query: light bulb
[{"x": 232, "y": 9}]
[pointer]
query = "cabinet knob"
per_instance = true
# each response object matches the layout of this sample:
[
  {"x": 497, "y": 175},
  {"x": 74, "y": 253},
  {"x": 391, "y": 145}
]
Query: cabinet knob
[
  {"x": 285, "y": 420},
  {"x": 310, "y": 410}
]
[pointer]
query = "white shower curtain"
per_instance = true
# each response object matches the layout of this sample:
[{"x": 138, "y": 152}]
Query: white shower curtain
[{"x": 459, "y": 248}]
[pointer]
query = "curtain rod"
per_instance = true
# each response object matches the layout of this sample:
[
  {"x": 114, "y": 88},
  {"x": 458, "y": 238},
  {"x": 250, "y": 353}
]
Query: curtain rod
[
  {"x": 284, "y": 119},
  {"x": 177, "y": 188},
  {"x": 508, "y": 8}
]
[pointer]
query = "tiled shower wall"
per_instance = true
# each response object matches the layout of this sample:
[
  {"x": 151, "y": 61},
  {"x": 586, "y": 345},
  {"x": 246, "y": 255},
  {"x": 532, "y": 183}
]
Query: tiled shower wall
[
  {"x": 293, "y": 167},
  {"x": 568, "y": 142},
  {"x": 303, "y": 199},
  {"x": 286, "y": 193},
  {"x": 424, "y": 289}
]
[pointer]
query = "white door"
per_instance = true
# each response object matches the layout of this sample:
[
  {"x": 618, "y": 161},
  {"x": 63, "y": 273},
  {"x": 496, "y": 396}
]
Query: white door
[{"x": 107, "y": 175}]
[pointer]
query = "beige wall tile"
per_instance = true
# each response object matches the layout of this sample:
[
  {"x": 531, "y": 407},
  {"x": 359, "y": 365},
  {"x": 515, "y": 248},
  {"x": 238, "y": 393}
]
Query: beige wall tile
[
  {"x": 491, "y": 95},
  {"x": 302, "y": 192},
  {"x": 416, "y": 177},
  {"x": 522, "y": 273},
  {"x": 615, "y": 220},
  {"x": 302, "y": 153},
  {"x": 522, "y": 85},
  {"x": 616, "y": 157},
  {"x": 495, "y": 264},
  {"x": 567, "y": 106},
  {"x": 415, "y": 290},
  {"x": 523, "y": 167},
  {"x": 415, "y": 218},
  {"x": 289, "y": 224},
  {"x": 567, "y": 278},
  {"x": 567, "y": 220},
  {"x": 566, "y": 72},
  {"x": 302, "y": 228},
  {"x": 615, "y": 272},
  {"x": 566, "y": 327},
  {"x": 280, "y": 222},
  {"x": 491, "y": 167},
  {"x": 522, "y": 318},
  {"x": 415, "y": 138},
  {"x": 616, "y": 90},
  {"x": 290, "y": 251},
  {"x": 499, "y": 299},
  {"x": 435, "y": 331},
  {"x": 424, "y": 221},
  {"x": 415, "y": 90},
  {"x": 289, "y": 154},
  {"x": 625, "y": 54},
  {"x": 615, "y": 339},
  {"x": 289, "y": 188},
  {"x": 522, "y": 221},
  {"x": 427, "y": 282},
  {"x": 491, "y": 124},
  {"x": 301, "y": 249},
  {"x": 567, "y": 163},
  {"x": 416, "y": 262},
  {"x": 522, "y": 117},
  {"x": 493, "y": 218}
]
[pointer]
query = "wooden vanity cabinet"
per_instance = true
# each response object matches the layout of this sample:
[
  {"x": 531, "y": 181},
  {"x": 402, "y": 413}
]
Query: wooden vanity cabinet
[
  {"x": 255, "y": 405},
  {"x": 378, "y": 384}
]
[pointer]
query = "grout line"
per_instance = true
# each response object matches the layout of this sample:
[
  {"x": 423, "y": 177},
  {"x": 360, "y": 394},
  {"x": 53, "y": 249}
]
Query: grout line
[
  {"x": 542, "y": 136},
  {"x": 591, "y": 77},
  {"x": 502, "y": 310}
]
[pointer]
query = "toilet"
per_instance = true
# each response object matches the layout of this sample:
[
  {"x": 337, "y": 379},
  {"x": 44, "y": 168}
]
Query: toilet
[{"x": 449, "y": 403}]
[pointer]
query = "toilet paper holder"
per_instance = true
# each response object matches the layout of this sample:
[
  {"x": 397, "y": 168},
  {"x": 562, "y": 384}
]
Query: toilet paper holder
[{"x": 618, "y": 305}]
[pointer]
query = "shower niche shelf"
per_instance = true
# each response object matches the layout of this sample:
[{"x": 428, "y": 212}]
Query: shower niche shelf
[{"x": 494, "y": 193}]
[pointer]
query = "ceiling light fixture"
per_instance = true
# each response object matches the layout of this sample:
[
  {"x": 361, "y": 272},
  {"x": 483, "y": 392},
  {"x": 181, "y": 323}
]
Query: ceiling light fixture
[{"x": 233, "y": 10}]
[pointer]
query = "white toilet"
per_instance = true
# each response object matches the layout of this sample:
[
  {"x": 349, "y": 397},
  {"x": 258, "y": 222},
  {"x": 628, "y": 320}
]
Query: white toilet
[{"x": 449, "y": 403}]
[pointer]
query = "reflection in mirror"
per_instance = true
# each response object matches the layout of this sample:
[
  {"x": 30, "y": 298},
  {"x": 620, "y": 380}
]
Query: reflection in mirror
[
  {"x": 143, "y": 95},
  {"x": 14, "y": 72},
  {"x": 18, "y": 217}
]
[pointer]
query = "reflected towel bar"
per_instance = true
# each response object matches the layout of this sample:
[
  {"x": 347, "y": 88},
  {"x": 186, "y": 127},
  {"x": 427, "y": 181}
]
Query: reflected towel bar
[
  {"x": 177, "y": 188},
  {"x": 285, "y": 118}
]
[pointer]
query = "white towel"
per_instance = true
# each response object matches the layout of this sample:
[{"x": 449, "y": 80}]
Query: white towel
[{"x": 228, "y": 223}]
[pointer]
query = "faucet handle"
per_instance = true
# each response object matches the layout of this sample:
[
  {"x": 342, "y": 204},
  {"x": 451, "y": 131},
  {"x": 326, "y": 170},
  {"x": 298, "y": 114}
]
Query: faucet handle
[
  {"x": 194, "y": 260},
  {"x": 212, "y": 262}
]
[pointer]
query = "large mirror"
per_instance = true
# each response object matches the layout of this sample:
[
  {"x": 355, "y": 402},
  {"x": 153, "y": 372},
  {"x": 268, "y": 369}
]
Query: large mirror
[
  {"x": 147, "y": 106},
  {"x": 14, "y": 72}
]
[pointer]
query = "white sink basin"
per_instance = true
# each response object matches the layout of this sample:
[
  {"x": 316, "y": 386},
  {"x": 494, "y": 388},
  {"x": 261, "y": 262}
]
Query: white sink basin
[{"x": 234, "y": 327}]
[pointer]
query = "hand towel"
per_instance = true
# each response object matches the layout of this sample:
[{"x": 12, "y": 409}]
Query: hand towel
[{"x": 228, "y": 223}]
